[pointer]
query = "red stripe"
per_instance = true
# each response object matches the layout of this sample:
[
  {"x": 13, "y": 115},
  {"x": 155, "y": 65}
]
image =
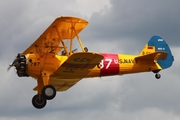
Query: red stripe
[{"x": 109, "y": 64}]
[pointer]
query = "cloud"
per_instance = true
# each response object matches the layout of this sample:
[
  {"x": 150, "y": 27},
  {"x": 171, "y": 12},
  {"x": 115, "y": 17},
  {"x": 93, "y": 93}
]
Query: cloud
[{"x": 137, "y": 21}]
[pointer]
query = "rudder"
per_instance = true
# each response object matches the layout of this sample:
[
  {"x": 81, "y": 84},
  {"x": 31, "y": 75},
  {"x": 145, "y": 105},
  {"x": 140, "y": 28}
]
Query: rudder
[{"x": 158, "y": 44}]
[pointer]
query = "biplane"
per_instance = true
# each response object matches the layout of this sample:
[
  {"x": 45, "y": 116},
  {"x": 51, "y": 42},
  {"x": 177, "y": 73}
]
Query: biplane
[{"x": 57, "y": 66}]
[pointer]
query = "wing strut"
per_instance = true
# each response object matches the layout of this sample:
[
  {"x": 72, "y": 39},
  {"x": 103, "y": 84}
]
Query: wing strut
[
  {"x": 71, "y": 42},
  {"x": 79, "y": 40},
  {"x": 62, "y": 41}
]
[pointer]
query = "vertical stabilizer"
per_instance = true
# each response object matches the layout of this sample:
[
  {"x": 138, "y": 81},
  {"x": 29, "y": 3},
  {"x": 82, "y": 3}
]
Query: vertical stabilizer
[{"x": 158, "y": 44}]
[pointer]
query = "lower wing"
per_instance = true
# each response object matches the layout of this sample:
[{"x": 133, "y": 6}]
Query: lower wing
[
  {"x": 78, "y": 65},
  {"x": 75, "y": 68}
]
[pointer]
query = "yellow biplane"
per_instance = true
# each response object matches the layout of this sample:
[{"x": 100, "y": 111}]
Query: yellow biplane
[{"x": 57, "y": 66}]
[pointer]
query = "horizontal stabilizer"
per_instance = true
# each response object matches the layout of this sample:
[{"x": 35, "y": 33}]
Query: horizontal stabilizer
[{"x": 153, "y": 56}]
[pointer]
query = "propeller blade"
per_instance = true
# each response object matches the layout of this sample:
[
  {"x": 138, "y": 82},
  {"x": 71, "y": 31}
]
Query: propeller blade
[
  {"x": 9, "y": 68},
  {"x": 13, "y": 64}
]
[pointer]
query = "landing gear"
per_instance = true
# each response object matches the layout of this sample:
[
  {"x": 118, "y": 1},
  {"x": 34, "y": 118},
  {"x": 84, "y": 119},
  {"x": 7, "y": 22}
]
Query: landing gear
[
  {"x": 158, "y": 76},
  {"x": 38, "y": 101},
  {"x": 48, "y": 92}
]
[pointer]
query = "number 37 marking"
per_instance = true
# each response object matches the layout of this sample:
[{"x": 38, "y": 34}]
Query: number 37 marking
[{"x": 102, "y": 65}]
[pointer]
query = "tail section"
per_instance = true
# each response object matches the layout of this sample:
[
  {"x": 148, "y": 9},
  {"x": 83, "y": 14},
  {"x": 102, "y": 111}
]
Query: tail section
[{"x": 158, "y": 44}]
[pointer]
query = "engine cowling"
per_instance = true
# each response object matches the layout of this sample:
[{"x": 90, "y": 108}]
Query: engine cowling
[{"x": 21, "y": 65}]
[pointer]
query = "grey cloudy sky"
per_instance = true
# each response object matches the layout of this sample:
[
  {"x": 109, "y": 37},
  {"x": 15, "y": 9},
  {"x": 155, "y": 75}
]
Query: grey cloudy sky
[{"x": 118, "y": 26}]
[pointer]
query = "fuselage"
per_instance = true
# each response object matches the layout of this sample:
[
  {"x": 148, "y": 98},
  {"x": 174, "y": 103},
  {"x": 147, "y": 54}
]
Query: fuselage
[{"x": 112, "y": 64}]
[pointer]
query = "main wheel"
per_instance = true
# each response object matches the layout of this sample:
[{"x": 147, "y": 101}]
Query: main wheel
[
  {"x": 39, "y": 101},
  {"x": 158, "y": 76},
  {"x": 48, "y": 92}
]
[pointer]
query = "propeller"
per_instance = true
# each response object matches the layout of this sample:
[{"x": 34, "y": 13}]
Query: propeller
[{"x": 20, "y": 64}]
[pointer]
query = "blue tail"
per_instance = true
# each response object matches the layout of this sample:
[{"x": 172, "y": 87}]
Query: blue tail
[{"x": 161, "y": 45}]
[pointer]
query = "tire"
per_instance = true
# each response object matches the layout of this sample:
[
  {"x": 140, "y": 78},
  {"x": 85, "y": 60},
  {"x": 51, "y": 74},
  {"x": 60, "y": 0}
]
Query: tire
[
  {"x": 48, "y": 92},
  {"x": 158, "y": 76},
  {"x": 38, "y": 101}
]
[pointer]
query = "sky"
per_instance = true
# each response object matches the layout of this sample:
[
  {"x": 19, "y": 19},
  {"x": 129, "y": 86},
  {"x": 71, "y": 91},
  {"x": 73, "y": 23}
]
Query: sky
[{"x": 115, "y": 26}]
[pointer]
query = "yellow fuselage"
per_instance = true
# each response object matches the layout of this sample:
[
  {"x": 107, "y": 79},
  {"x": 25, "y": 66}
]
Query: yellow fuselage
[{"x": 112, "y": 64}]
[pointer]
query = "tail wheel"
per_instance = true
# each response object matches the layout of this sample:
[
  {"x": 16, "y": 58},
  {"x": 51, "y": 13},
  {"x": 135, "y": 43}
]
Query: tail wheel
[
  {"x": 39, "y": 101},
  {"x": 158, "y": 76},
  {"x": 48, "y": 92}
]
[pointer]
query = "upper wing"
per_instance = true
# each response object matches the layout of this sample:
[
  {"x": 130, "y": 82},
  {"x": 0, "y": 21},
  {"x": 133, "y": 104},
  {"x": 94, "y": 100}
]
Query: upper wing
[
  {"x": 153, "y": 56},
  {"x": 61, "y": 28}
]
